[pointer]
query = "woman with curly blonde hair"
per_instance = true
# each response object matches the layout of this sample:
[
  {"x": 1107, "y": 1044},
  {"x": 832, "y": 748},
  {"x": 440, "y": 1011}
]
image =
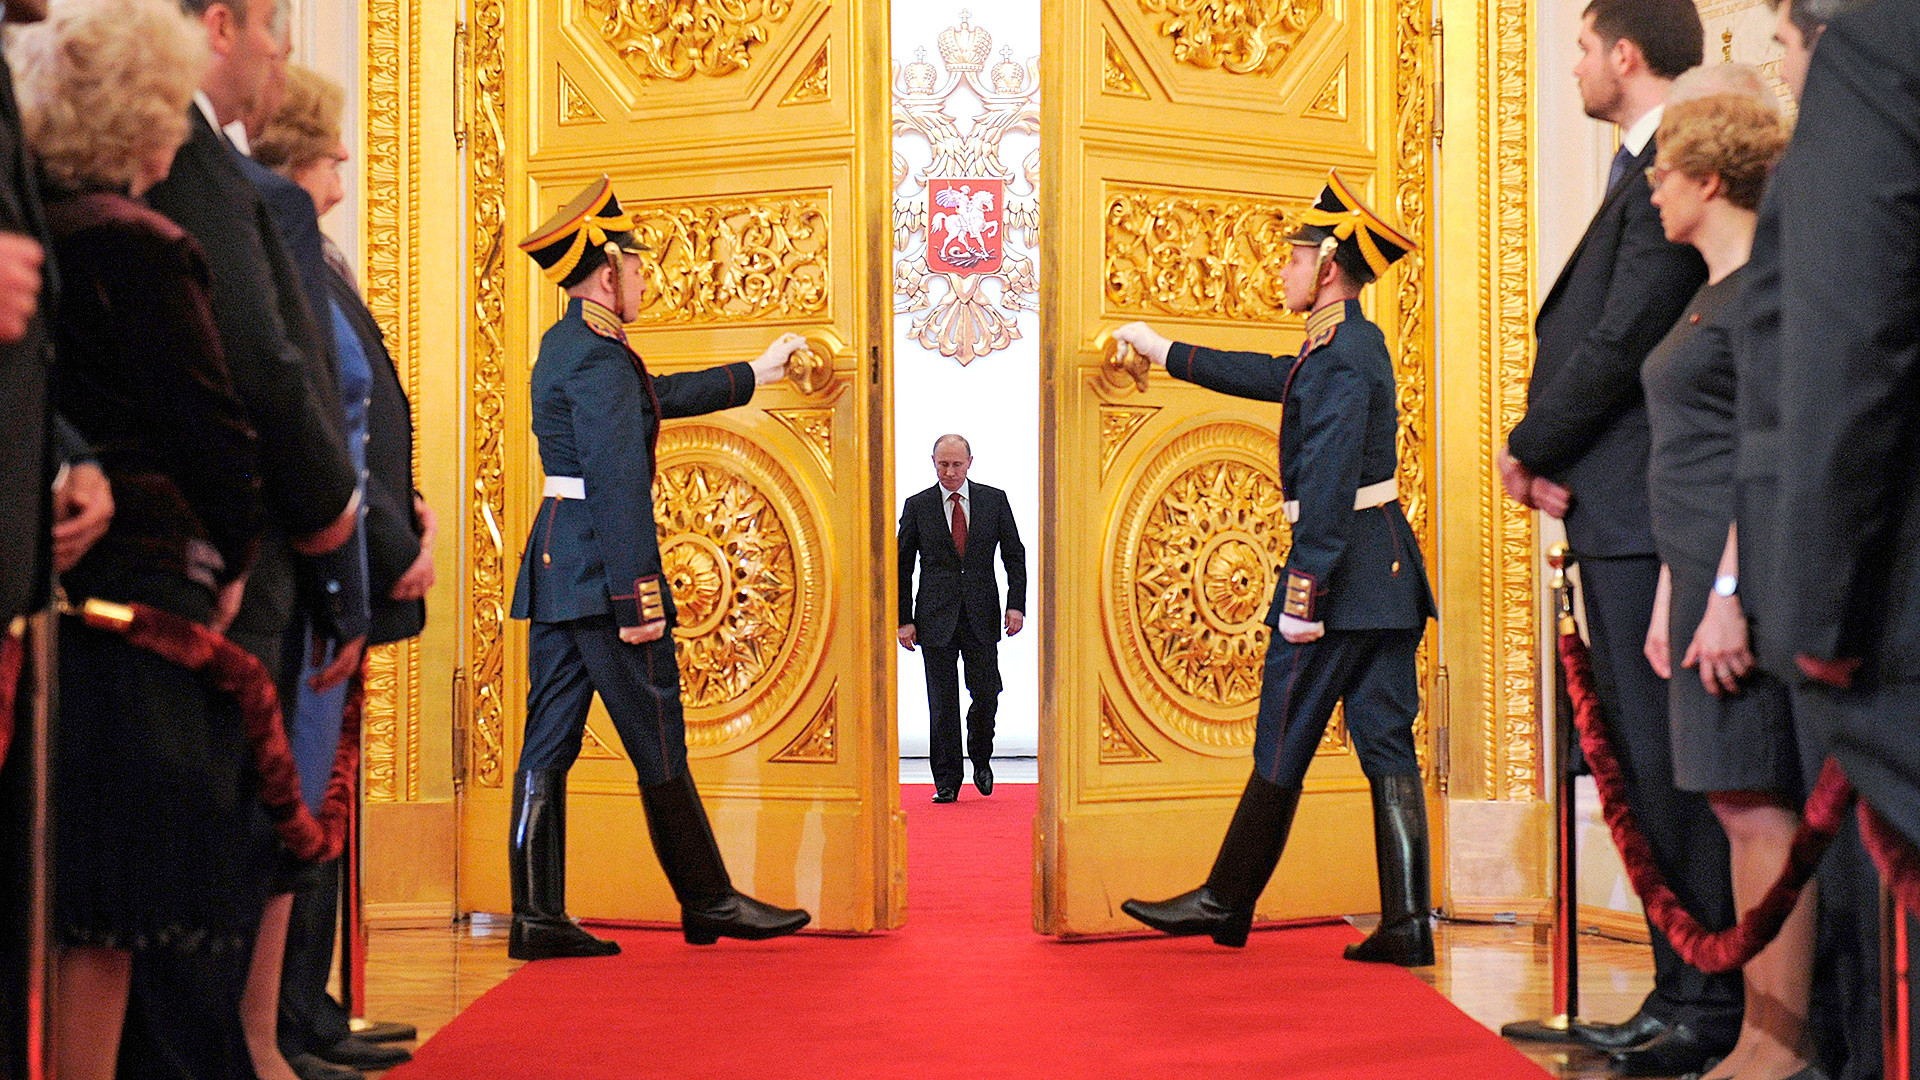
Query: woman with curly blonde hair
[
  {"x": 155, "y": 798},
  {"x": 1731, "y": 723}
]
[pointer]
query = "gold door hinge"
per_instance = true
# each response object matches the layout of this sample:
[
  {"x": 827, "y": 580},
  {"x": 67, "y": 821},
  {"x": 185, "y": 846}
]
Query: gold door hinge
[{"x": 1439, "y": 81}]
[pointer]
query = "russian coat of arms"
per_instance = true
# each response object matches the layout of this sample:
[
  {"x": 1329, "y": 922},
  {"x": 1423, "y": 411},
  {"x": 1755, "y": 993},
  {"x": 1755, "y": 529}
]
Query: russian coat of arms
[{"x": 965, "y": 219}]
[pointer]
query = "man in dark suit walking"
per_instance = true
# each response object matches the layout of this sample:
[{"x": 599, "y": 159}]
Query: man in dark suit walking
[
  {"x": 1581, "y": 454},
  {"x": 953, "y": 527}
]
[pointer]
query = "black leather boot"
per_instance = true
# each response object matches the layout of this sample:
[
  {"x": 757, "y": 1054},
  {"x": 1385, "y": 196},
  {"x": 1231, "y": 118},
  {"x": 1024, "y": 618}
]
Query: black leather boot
[
  {"x": 710, "y": 908},
  {"x": 1405, "y": 934},
  {"x": 1223, "y": 907},
  {"x": 537, "y": 865}
]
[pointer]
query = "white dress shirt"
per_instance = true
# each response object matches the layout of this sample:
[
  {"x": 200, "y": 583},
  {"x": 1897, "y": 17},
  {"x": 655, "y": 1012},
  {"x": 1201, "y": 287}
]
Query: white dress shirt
[{"x": 966, "y": 503}]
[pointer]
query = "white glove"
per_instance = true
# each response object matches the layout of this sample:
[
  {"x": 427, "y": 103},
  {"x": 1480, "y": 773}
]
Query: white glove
[{"x": 1300, "y": 631}]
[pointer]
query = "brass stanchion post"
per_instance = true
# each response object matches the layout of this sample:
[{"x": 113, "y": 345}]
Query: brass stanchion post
[{"x": 1565, "y": 939}]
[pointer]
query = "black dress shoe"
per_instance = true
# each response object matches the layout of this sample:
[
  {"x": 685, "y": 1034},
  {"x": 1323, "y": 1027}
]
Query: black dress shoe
[
  {"x": 1636, "y": 1030},
  {"x": 945, "y": 795},
  {"x": 385, "y": 1031},
  {"x": 357, "y": 1053},
  {"x": 983, "y": 778},
  {"x": 1676, "y": 1051},
  {"x": 309, "y": 1067}
]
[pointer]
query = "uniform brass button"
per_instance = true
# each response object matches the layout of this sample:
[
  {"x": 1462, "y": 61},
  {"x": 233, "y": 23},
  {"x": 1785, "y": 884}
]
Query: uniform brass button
[
  {"x": 546, "y": 559},
  {"x": 1396, "y": 566}
]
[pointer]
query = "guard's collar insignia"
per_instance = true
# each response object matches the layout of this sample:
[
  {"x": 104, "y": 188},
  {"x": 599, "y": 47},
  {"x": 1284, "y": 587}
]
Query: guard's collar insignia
[
  {"x": 601, "y": 320},
  {"x": 1322, "y": 324}
]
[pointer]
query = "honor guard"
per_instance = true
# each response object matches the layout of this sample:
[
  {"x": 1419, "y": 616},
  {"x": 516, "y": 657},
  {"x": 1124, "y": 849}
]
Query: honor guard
[
  {"x": 590, "y": 581},
  {"x": 1353, "y": 599}
]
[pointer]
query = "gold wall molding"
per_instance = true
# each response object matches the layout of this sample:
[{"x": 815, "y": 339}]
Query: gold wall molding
[
  {"x": 595, "y": 748},
  {"x": 736, "y": 260},
  {"x": 390, "y": 258},
  {"x": 814, "y": 428},
  {"x": 1412, "y": 190},
  {"x": 575, "y": 108},
  {"x": 1196, "y": 550},
  {"x": 1195, "y": 254},
  {"x": 487, "y": 399},
  {"x": 1118, "y": 744},
  {"x": 1510, "y": 731},
  {"x": 747, "y": 563},
  {"x": 677, "y": 39},
  {"x": 1118, "y": 425},
  {"x": 818, "y": 742},
  {"x": 812, "y": 85},
  {"x": 1246, "y": 38},
  {"x": 1116, "y": 77}
]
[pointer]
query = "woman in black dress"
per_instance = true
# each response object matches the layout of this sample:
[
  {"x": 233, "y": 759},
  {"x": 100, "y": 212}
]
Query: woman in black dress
[
  {"x": 1731, "y": 725},
  {"x": 155, "y": 789}
]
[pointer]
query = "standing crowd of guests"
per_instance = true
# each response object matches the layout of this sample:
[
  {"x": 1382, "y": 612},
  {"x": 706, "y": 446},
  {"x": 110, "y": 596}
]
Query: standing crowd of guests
[
  {"x": 226, "y": 441},
  {"x": 1723, "y": 411}
]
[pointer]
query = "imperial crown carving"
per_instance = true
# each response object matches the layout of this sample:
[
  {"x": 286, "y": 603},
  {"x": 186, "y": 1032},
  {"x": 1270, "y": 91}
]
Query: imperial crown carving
[{"x": 964, "y": 47}]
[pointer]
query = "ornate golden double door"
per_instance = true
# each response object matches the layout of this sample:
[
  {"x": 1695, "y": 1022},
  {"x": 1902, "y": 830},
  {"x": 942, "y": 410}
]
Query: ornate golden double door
[{"x": 751, "y": 138}]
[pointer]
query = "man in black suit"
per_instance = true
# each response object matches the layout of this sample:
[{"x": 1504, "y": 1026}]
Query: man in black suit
[
  {"x": 1848, "y": 346},
  {"x": 953, "y": 527},
  {"x": 1581, "y": 454}
]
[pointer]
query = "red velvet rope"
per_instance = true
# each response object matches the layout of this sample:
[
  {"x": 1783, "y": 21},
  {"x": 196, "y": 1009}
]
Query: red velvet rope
[
  {"x": 1722, "y": 950},
  {"x": 235, "y": 671},
  {"x": 13, "y": 653}
]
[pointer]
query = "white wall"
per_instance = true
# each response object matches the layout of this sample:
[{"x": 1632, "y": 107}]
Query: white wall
[
  {"x": 328, "y": 37},
  {"x": 994, "y": 401}
]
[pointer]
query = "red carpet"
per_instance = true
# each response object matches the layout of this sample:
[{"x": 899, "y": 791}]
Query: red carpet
[{"x": 967, "y": 990}]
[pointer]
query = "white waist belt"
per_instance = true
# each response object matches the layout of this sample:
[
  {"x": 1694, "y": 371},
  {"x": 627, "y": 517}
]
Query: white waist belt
[
  {"x": 1366, "y": 498},
  {"x": 565, "y": 487}
]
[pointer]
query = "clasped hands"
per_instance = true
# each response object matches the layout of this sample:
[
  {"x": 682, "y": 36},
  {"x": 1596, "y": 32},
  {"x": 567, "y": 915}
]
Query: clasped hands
[{"x": 1531, "y": 490}]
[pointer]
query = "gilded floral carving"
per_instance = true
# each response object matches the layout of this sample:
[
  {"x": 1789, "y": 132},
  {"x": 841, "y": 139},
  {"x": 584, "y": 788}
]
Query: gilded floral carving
[
  {"x": 812, "y": 85},
  {"x": 575, "y": 107},
  {"x": 819, "y": 742},
  {"x": 739, "y": 260},
  {"x": 1118, "y": 744},
  {"x": 814, "y": 427},
  {"x": 1118, "y": 424},
  {"x": 677, "y": 39},
  {"x": 1245, "y": 37},
  {"x": 1195, "y": 254},
  {"x": 1200, "y": 542},
  {"x": 745, "y": 561},
  {"x": 1116, "y": 77}
]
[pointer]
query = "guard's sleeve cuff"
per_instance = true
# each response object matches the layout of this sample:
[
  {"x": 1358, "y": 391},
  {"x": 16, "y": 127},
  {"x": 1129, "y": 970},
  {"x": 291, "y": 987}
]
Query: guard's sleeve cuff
[
  {"x": 1180, "y": 361},
  {"x": 1302, "y": 593},
  {"x": 645, "y": 604}
]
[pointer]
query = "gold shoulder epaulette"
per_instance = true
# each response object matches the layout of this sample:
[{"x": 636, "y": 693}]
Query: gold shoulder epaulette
[
  {"x": 1322, "y": 324},
  {"x": 603, "y": 321}
]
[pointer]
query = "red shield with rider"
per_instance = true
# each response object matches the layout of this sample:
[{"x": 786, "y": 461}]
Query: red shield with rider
[{"x": 963, "y": 224}]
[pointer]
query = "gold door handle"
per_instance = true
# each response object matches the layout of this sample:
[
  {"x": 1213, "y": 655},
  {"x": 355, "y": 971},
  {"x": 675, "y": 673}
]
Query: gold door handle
[
  {"x": 1121, "y": 364},
  {"x": 810, "y": 369}
]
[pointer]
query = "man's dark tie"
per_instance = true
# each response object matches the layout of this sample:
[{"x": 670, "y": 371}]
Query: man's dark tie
[
  {"x": 1622, "y": 161},
  {"x": 959, "y": 525}
]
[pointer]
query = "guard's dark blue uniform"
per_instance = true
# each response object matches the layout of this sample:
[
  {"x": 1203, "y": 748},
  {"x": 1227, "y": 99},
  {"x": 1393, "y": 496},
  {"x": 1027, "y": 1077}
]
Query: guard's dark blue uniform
[
  {"x": 1358, "y": 571},
  {"x": 592, "y": 565}
]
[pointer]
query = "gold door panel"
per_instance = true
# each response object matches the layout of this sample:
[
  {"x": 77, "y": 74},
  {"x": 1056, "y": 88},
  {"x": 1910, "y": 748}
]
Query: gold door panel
[
  {"x": 744, "y": 143},
  {"x": 1179, "y": 137}
]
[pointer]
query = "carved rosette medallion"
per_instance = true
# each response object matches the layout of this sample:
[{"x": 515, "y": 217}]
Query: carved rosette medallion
[
  {"x": 746, "y": 561},
  {"x": 1245, "y": 37},
  {"x": 1194, "y": 254},
  {"x": 1197, "y": 549},
  {"x": 677, "y": 39}
]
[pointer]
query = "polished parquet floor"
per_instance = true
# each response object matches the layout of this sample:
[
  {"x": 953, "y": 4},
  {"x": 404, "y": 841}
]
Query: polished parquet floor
[{"x": 1494, "y": 973}]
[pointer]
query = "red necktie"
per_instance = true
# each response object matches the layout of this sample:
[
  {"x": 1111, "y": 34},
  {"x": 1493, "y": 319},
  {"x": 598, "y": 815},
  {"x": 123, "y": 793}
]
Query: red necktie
[{"x": 959, "y": 525}]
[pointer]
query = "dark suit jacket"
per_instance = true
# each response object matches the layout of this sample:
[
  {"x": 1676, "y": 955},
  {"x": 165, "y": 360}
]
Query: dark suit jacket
[
  {"x": 393, "y": 531},
  {"x": 950, "y": 583},
  {"x": 597, "y": 412},
  {"x": 1756, "y": 472},
  {"x": 1586, "y": 422},
  {"x": 1850, "y": 389},
  {"x": 25, "y": 459},
  {"x": 333, "y": 587},
  {"x": 1362, "y": 568},
  {"x": 270, "y": 340}
]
